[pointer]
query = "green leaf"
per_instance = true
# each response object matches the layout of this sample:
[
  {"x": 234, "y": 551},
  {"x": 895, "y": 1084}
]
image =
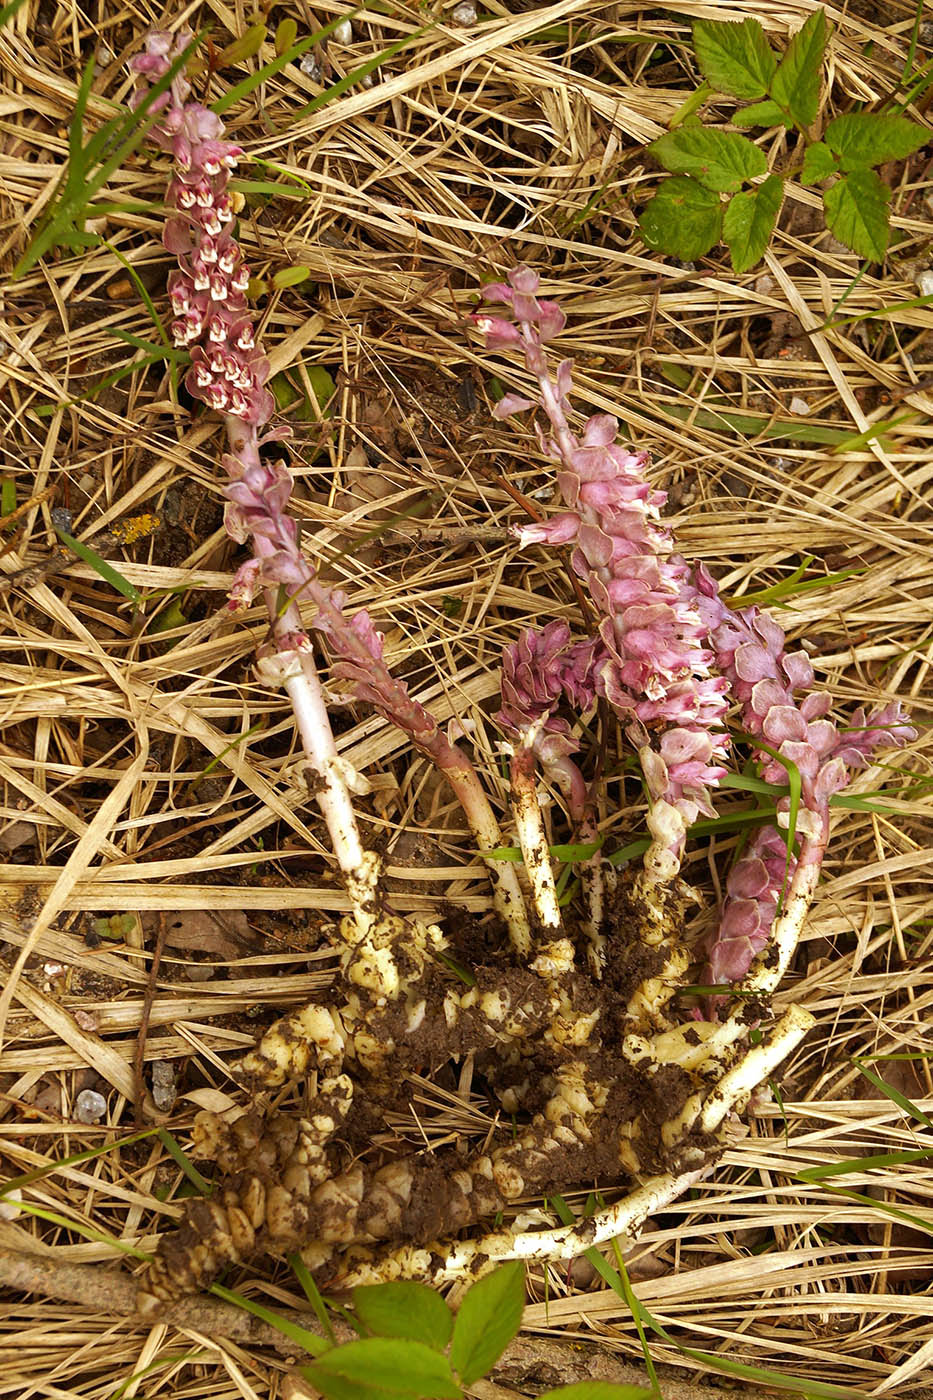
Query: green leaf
[
  {"x": 765, "y": 113},
  {"x": 405, "y": 1309},
  {"x": 796, "y": 85},
  {"x": 868, "y": 138},
  {"x": 683, "y": 219},
  {"x": 749, "y": 221},
  {"x": 377, "y": 1368},
  {"x": 285, "y": 35},
  {"x": 818, "y": 164},
  {"x": 290, "y": 276},
  {"x": 857, "y": 213},
  {"x": 720, "y": 160},
  {"x": 736, "y": 58},
  {"x": 598, "y": 1390},
  {"x": 246, "y": 46},
  {"x": 488, "y": 1319}
]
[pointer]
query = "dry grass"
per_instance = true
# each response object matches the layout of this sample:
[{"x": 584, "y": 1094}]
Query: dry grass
[{"x": 477, "y": 148}]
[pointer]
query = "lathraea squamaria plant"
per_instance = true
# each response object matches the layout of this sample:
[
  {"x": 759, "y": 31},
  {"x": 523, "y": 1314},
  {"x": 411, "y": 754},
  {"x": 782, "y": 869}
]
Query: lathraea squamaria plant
[{"x": 576, "y": 1028}]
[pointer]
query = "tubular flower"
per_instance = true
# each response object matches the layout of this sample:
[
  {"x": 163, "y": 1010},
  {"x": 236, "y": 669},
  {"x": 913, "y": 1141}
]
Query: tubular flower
[
  {"x": 764, "y": 677},
  {"x": 653, "y": 664},
  {"x": 227, "y": 372}
]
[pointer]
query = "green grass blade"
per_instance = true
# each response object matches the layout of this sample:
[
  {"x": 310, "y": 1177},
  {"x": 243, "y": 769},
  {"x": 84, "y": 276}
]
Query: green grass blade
[
  {"x": 159, "y": 1364},
  {"x": 79, "y": 1228},
  {"x": 184, "y": 1161},
  {"x": 812, "y": 1390},
  {"x": 77, "y": 189},
  {"x": 269, "y": 70},
  {"x": 864, "y": 1164},
  {"x": 100, "y": 566},
  {"x": 307, "y": 1341},
  {"x": 16, "y": 1183},
  {"x": 357, "y": 74},
  {"x": 895, "y": 1095},
  {"x": 8, "y": 11},
  {"x": 313, "y": 1295}
]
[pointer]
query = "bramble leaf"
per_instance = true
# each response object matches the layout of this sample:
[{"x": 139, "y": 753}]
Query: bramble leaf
[
  {"x": 857, "y": 213},
  {"x": 488, "y": 1319},
  {"x": 736, "y": 58},
  {"x": 818, "y": 164},
  {"x": 766, "y": 113},
  {"x": 749, "y": 221},
  {"x": 383, "y": 1368},
  {"x": 796, "y": 84},
  {"x": 405, "y": 1309},
  {"x": 869, "y": 138},
  {"x": 720, "y": 160},
  {"x": 683, "y": 220}
]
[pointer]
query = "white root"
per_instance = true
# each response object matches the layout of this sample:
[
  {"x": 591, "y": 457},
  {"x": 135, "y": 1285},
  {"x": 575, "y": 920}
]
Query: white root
[{"x": 439, "y": 1263}]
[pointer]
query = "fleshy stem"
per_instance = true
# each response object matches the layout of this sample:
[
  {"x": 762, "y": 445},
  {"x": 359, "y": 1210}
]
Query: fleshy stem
[{"x": 228, "y": 373}]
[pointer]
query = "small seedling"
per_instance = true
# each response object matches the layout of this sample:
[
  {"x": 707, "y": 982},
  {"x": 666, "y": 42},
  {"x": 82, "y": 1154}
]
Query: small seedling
[
  {"x": 689, "y": 215},
  {"x": 412, "y": 1347}
]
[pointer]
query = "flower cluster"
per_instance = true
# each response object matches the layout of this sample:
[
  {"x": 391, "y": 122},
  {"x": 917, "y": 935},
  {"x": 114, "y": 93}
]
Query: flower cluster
[
  {"x": 779, "y": 707},
  {"x": 750, "y": 650},
  {"x": 653, "y": 658},
  {"x": 212, "y": 320}
]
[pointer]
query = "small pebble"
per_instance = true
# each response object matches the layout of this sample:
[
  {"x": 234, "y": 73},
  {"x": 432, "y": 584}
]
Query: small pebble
[
  {"x": 163, "y": 1085},
  {"x": 464, "y": 14},
  {"x": 799, "y": 407},
  {"x": 343, "y": 33},
  {"x": 90, "y": 1106},
  {"x": 764, "y": 284},
  {"x": 86, "y": 1020},
  {"x": 310, "y": 66},
  {"x": 9, "y": 1210},
  {"x": 925, "y": 283}
]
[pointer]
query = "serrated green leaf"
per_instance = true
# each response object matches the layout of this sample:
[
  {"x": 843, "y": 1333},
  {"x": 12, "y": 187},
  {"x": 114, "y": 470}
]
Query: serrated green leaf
[
  {"x": 488, "y": 1319},
  {"x": 818, "y": 164},
  {"x": 869, "y": 138},
  {"x": 749, "y": 221},
  {"x": 285, "y": 35},
  {"x": 683, "y": 220},
  {"x": 857, "y": 213},
  {"x": 383, "y": 1368},
  {"x": 405, "y": 1309},
  {"x": 597, "y": 1390},
  {"x": 720, "y": 160},
  {"x": 290, "y": 276},
  {"x": 736, "y": 58},
  {"x": 796, "y": 85},
  {"x": 766, "y": 113}
]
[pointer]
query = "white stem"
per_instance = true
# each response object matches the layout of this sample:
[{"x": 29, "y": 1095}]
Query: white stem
[
  {"x": 767, "y": 971},
  {"x": 532, "y": 838}
]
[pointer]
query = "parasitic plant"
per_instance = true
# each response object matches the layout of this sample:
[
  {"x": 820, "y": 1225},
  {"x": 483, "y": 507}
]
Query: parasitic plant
[{"x": 575, "y": 1025}]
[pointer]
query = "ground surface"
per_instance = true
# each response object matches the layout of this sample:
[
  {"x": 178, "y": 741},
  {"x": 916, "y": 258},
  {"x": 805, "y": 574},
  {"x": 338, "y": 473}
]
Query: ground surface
[{"x": 145, "y": 771}]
